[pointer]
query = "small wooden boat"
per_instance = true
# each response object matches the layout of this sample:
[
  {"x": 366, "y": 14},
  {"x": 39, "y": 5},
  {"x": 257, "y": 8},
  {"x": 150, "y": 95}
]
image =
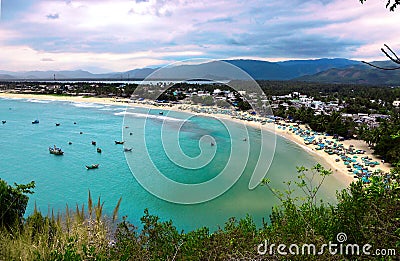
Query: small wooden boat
[
  {"x": 57, "y": 124},
  {"x": 35, "y": 122},
  {"x": 161, "y": 113},
  {"x": 69, "y": 143},
  {"x": 56, "y": 151},
  {"x": 81, "y": 132},
  {"x": 98, "y": 150},
  {"x": 212, "y": 144},
  {"x": 127, "y": 149},
  {"x": 93, "y": 166},
  {"x": 119, "y": 142},
  {"x": 3, "y": 122},
  {"x": 93, "y": 143}
]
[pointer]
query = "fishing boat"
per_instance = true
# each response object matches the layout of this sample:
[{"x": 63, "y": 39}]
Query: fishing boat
[
  {"x": 127, "y": 149},
  {"x": 3, "y": 122},
  {"x": 161, "y": 113},
  {"x": 57, "y": 124},
  {"x": 35, "y": 122},
  {"x": 93, "y": 143},
  {"x": 98, "y": 150},
  {"x": 119, "y": 142},
  {"x": 93, "y": 166},
  {"x": 56, "y": 151}
]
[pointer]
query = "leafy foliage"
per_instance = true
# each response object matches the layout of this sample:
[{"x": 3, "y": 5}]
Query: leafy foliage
[
  {"x": 389, "y": 4},
  {"x": 367, "y": 214},
  {"x": 13, "y": 202},
  {"x": 385, "y": 139}
]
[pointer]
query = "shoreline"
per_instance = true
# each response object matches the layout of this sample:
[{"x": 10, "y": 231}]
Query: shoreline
[{"x": 339, "y": 171}]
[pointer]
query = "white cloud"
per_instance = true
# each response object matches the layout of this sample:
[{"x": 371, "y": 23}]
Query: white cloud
[
  {"x": 124, "y": 34},
  {"x": 17, "y": 57}
]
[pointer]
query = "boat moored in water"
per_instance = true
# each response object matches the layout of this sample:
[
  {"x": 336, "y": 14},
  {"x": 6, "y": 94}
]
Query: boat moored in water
[
  {"x": 98, "y": 150},
  {"x": 56, "y": 151},
  {"x": 119, "y": 142},
  {"x": 93, "y": 166},
  {"x": 127, "y": 149},
  {"x": 35, "y": 122}
]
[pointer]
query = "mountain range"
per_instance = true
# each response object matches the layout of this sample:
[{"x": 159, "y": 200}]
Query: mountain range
[{"x": 325, "y": 70}]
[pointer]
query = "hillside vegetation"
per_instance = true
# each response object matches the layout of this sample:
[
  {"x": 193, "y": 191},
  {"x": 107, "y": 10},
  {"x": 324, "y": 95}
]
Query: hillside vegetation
[{"x": 365, "y": 214}]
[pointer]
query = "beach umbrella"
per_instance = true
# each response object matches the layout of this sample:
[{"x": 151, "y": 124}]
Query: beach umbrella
[{"x": 365, "y": 179}]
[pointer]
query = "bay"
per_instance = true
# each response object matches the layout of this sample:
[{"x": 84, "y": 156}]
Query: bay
[{"x": 62, "y": 180}]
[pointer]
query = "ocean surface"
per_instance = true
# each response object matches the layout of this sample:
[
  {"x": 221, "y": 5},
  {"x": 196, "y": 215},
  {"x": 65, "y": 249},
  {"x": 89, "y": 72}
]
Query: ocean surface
[{"x": 62, "y": 180}]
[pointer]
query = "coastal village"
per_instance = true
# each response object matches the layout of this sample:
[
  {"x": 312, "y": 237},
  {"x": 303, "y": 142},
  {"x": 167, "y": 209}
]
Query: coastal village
[{"x": 221, "y": 98}]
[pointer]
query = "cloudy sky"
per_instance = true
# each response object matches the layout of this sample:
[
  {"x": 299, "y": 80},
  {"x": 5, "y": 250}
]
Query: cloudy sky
[{"x": 119, "y": 35}]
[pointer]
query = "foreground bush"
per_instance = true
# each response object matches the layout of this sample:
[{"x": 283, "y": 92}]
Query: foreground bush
[{"x": 366, "y": 214}]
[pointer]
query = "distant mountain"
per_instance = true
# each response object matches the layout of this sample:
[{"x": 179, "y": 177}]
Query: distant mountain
[
  {"x": 49, "y": 75},
  {"x": 309, "y": 67},
  {"x": 287, "y": 70},
  {"x": 139, "y": 73},
  {"x": 6, "y": 77},
  {"x": 358, "y": 74},
  {"x": 259, "y": 70}
]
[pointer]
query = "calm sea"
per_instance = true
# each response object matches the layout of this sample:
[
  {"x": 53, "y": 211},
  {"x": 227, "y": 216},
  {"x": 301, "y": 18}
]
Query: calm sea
[{"x": 62, "y": 180}]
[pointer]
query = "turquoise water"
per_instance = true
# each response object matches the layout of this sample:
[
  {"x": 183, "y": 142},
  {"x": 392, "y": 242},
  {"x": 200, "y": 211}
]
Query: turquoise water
[{"x": 62, "y": 180}]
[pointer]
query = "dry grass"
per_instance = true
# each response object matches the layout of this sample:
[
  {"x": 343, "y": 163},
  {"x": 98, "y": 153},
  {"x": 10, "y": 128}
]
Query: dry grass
[{"x": 83, "y": 233}]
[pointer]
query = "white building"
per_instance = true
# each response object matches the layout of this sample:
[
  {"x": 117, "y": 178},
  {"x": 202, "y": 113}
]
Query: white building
[
  {"x": 217, "y": 91},
  {"x": 396, "y": 103}
]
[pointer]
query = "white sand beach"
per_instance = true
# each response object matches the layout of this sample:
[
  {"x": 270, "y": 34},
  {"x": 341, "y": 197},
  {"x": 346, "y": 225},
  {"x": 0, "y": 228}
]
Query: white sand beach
[{"x": 340, "y": 171}]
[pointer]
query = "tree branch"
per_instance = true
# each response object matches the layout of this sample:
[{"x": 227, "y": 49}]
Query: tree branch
[
  {"x": 382, "y": 68},
  {"x": 395, "y": 59}
]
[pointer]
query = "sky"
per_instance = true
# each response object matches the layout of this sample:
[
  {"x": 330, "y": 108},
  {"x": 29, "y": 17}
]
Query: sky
[{"x": 120, "y": 35}]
